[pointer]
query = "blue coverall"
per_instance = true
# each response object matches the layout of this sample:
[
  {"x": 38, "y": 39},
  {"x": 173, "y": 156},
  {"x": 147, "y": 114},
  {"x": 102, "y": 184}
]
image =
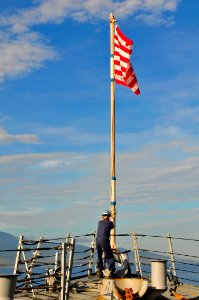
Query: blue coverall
[{"x": 103, "y": 244}]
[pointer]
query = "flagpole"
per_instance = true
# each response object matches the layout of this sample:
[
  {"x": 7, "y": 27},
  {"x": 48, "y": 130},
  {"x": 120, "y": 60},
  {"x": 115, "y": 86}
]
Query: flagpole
[{"x": 112, "y": 163}]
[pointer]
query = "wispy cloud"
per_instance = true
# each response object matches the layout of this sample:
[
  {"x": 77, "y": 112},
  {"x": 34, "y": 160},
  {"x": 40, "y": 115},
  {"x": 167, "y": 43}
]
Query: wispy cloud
[
  {"x": 75, "y": 135},
  {"x": 7, "y": 138},
  {"x": 22, "y": 49},
  {"x": 22, "y": 54},
  {"x": 55, "y": 12},
  {"x": 189, "y": 113},
  {"x": 146, "y": 178},
  {"x": 161, "y": 166},
  {"x": 41, "y": 158}
]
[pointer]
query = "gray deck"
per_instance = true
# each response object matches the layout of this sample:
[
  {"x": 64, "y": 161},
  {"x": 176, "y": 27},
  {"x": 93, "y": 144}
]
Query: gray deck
[
  {"x": 186, "y": 290},
  {"x": 82, "y": 292}
]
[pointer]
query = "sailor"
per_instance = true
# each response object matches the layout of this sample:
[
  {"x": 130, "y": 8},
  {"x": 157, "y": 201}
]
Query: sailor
[{"x": 103, "y": 244}]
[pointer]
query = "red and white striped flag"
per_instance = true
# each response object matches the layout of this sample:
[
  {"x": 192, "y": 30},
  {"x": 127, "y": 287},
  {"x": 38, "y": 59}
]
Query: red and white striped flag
[{"x": 123, "y": 71}]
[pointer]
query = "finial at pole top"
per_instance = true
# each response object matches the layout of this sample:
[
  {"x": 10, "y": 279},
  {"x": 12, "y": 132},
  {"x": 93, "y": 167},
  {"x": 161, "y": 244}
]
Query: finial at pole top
[{"x": 112, "y": 18}]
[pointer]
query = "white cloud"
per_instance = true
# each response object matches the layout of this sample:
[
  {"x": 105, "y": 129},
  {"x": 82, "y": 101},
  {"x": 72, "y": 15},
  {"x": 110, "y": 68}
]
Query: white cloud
[
  {"x": 49, "y": 164},
  {"x": 7, "y": 138},
  {"x": 56, "y": 11},
  {"x": 146, "y": 180},
  {"x": 190, "y": 113},
  {"x": 40, "y": 158},
  {"x": 22, "y": 54},
  {"x": 161, "y": 5},
  {"x": 155, "y": 19},
  {"x": 75, "y": 136},
  {"x": 171, "y": 131},
  {"x": 23, "y": 50}
]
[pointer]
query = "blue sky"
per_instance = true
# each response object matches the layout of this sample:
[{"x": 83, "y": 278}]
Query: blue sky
[{"x": 55, "y": 117}]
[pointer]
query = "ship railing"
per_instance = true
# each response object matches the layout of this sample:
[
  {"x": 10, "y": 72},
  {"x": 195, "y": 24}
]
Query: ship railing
[
  {"x": 145, "y": 248},
  {"x": 51, "y": 264},
  {"x": 43, "y": 266},
  {"x": 175, "y": 250}
]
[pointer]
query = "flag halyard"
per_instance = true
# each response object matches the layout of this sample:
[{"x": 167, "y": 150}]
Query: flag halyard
[{"x": 123, "y": 70}]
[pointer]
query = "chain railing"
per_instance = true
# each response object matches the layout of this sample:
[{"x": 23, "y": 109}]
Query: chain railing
[{"x": 41, "y": 264}]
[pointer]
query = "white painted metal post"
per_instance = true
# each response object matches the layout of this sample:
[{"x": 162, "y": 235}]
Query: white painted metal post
[
  {"x": 70, "y": 266},
  {"x": 63, "y": 272},
  {"x": 57, "y": 260},
  {"x": 90, "y": 265},
  {"x": 18, "y": 254},
  {"x": 171, "y": 254},
  {"x": 136, "y": 253},
  {"x": 35, "y": 255}
]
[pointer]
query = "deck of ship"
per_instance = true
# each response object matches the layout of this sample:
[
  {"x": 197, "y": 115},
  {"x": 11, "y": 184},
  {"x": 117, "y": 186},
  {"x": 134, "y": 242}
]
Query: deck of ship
[
  {"x": 83, "y": 261},
  {"x": 186, "y": 290},
  {"x": 91, "y": 291}
]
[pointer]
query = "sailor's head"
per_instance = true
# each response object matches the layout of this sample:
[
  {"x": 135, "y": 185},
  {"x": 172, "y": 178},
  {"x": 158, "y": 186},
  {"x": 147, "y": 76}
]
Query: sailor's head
[{"x": 106, "y": 214}]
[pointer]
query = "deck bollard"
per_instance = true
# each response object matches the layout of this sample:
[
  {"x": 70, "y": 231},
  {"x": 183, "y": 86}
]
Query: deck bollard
[
  {"x": 158, "y": 274},
  {"x": 7, "y": 286}
]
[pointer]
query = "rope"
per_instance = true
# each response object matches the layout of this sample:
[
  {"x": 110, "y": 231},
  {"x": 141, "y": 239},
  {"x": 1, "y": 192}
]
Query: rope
[
  {"x": 193, "y": 272},
  {"x": 188, "y": 279},
  {"x": 81, "y": 265},
  {"x": 32, "y": 249},
  {"x": 38, "y": 264},
  {"x": 82, "y": 271},
  {"x": 83, "y": 258},
  {"x": 146, "y": 257},
  {"x": 187, "y": 255},
  {"x": 122, "y": 252},
  {"x": 88, "y": 234},
  {"x": 56, "y": 243},
  {"x": 31, "y": 243},
  {"x": 82, "y": 251},
  {"x": 185, "y": 239},
  {"x": 144, "y": 235},
  {"x": 185, "y": 263},
  {"x": 121, "y": 234},
  {"x": 160, "y": 236},
  {"x": 155, "y": 251},
  {"x": 33, "y": 278},
  {"x": 145, "y": 271}
]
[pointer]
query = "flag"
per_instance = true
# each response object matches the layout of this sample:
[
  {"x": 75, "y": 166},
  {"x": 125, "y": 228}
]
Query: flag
[{"x": 123, "y": 71}]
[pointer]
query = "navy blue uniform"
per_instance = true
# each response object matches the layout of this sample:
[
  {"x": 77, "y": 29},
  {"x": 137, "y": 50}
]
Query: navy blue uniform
[{"x": 103, "y": 244}]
